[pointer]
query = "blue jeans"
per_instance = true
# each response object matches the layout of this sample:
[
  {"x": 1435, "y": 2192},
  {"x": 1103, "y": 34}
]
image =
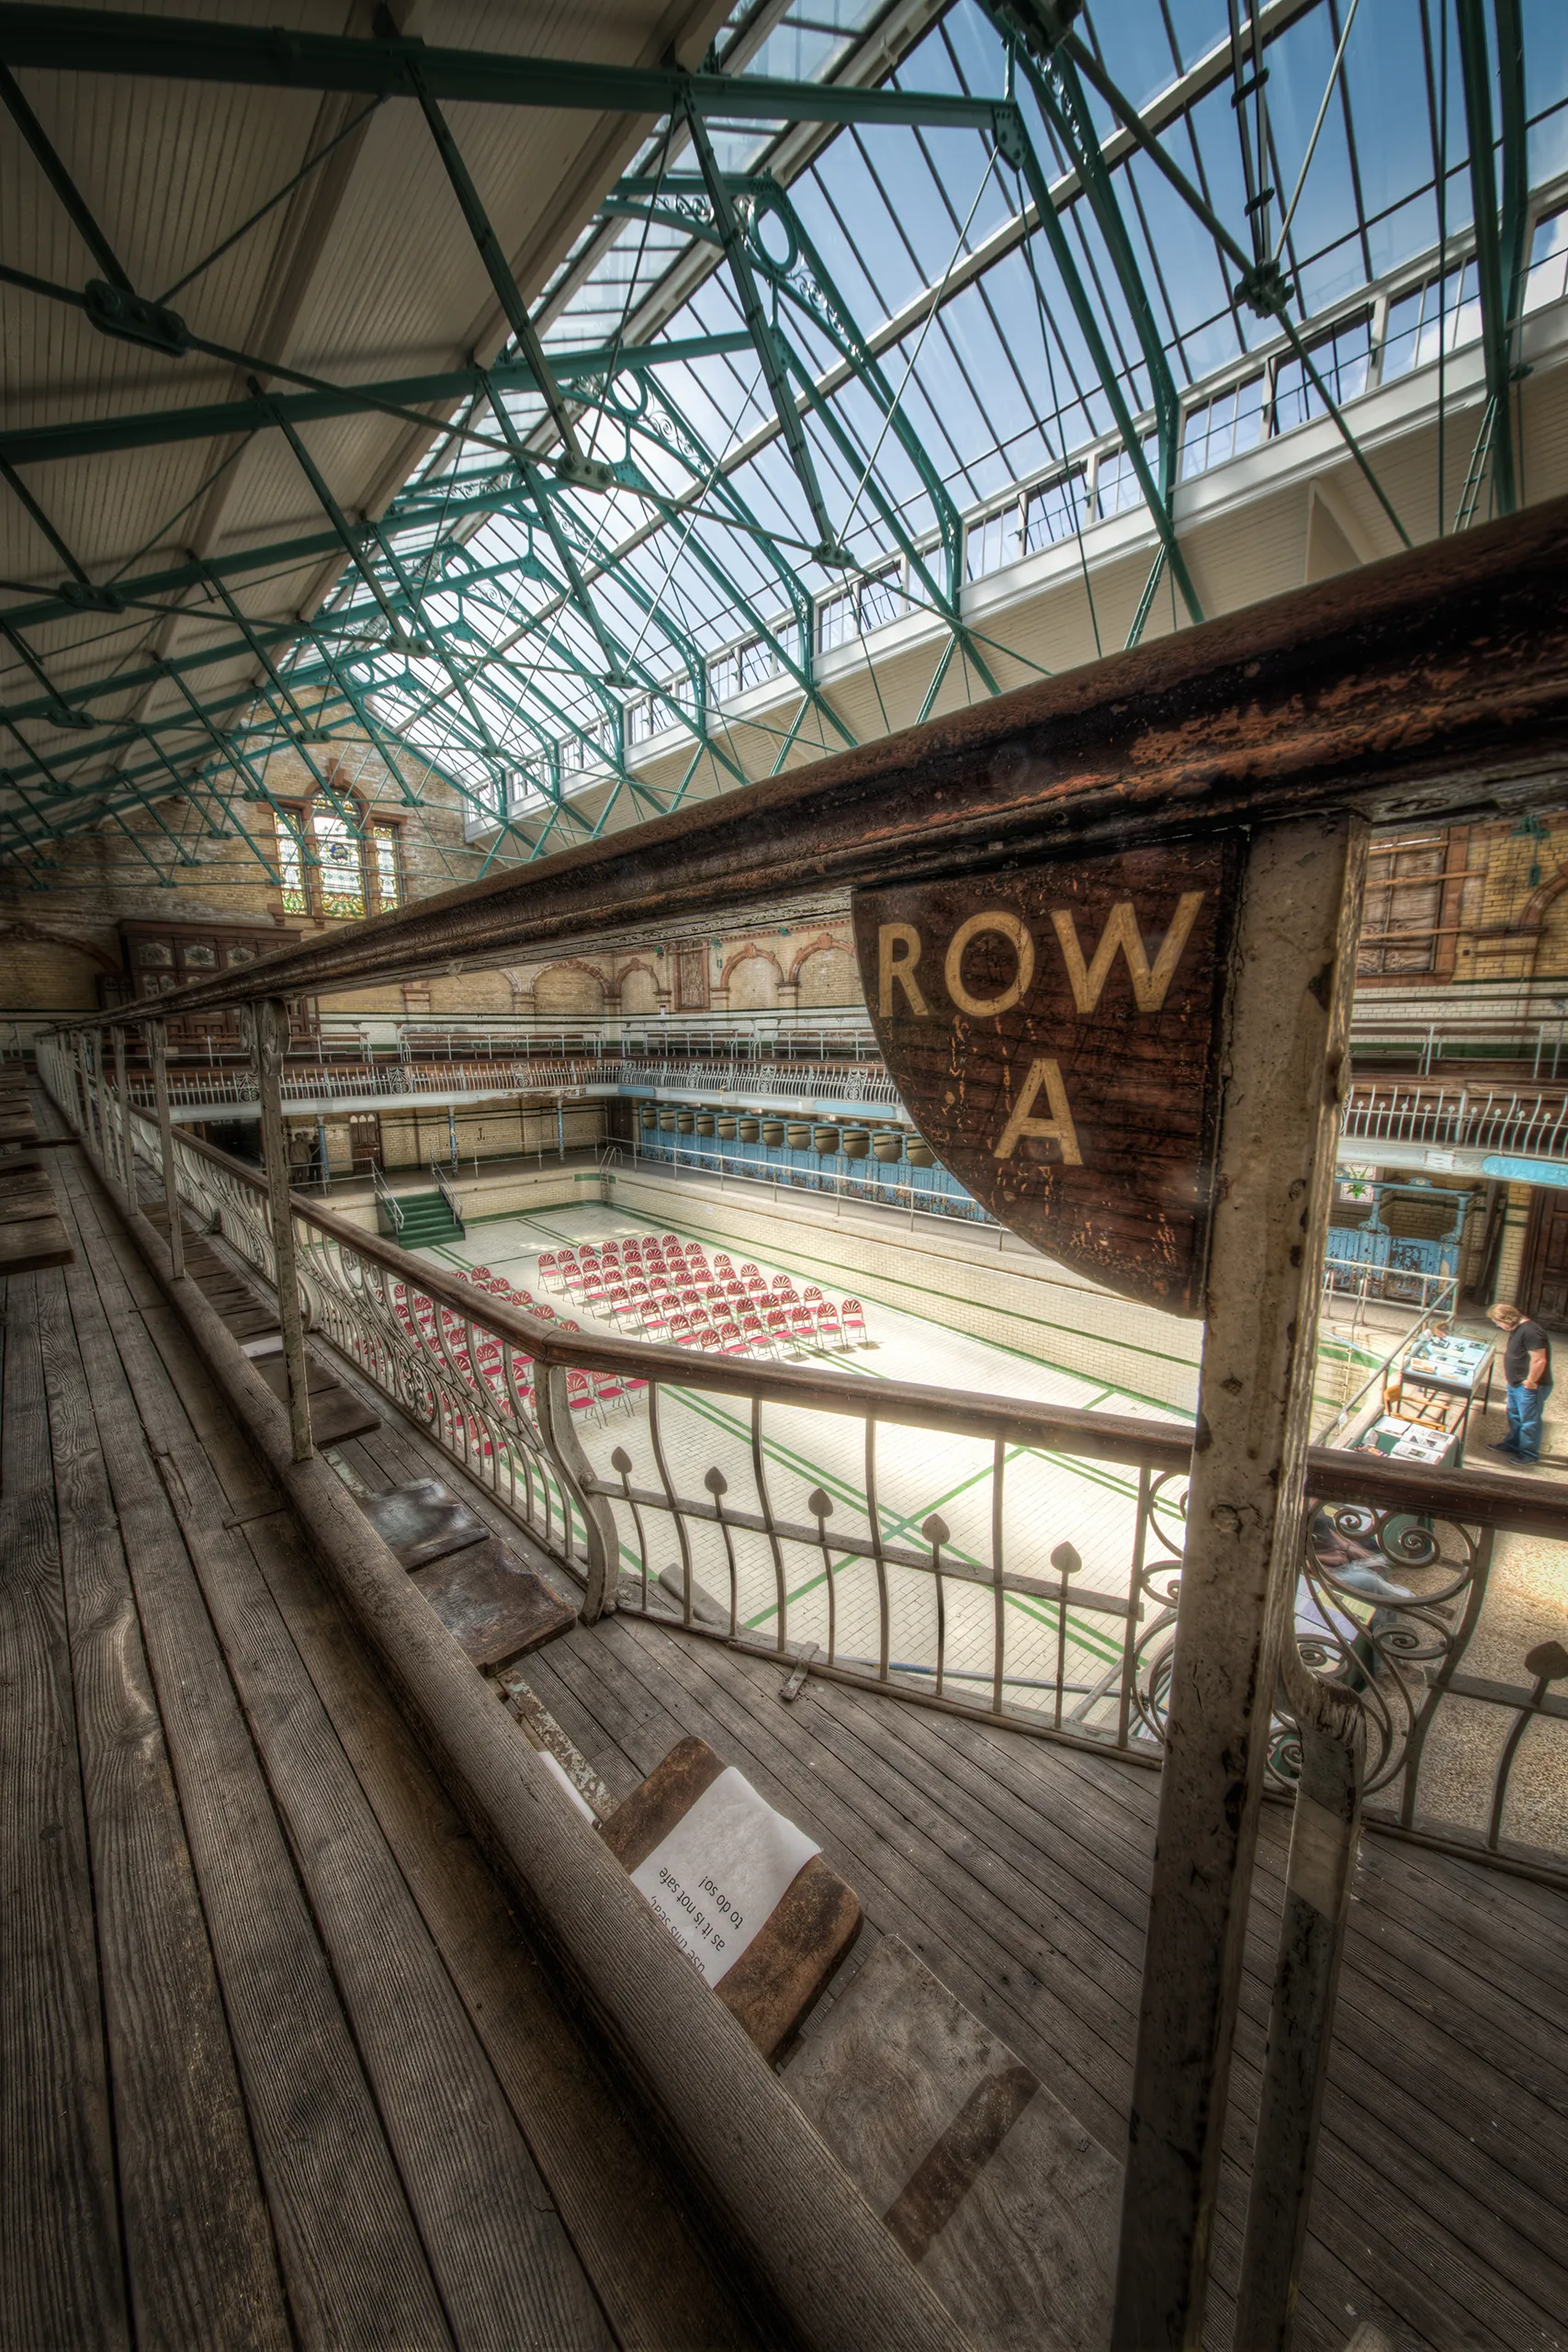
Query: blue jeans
[{"x": 1525, "y": 1409}]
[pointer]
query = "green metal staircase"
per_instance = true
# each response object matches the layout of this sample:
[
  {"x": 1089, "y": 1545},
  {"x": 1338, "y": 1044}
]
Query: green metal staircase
[{"x": 426, "y": 1221}]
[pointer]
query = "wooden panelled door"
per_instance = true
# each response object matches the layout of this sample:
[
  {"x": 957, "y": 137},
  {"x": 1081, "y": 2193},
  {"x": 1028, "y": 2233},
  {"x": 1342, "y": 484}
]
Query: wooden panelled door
[
  {"x": 365, "y": 1141},
  {"x": 1544, "y": 1289}
]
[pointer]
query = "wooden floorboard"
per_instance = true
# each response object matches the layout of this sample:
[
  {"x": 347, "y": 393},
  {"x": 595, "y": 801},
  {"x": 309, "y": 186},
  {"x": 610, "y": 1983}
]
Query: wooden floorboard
[
  {"x": 318, "y": 2139},
  {"x": 181, "y": 2129},
  {"x": 490, "y": 2235},
  {"x": 61, "y": 2277},
  {"x": 391, "y": 2131}
]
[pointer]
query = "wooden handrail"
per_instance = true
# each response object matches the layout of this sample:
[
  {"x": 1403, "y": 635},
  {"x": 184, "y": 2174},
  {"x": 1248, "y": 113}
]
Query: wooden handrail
[{"x": 1334, "y": 1475}]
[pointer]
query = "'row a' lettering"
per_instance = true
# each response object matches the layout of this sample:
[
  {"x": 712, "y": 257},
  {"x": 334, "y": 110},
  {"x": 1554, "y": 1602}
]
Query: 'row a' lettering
[{"x": 900, "y": 950}]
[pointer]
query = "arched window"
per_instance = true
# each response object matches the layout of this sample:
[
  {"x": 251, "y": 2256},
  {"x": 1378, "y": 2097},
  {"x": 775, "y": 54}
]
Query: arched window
[{"x": 333, "y": 859}]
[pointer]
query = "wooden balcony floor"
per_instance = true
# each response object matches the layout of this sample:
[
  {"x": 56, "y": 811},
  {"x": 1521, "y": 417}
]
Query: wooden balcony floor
[
  {"x": 257, "y": 1974},
  {"x": 1019, "y": 1871},
  {"x": 277, "y": 2065}
]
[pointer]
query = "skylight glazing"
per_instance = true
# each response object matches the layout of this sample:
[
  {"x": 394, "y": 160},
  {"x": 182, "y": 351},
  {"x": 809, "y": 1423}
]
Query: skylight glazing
[{"x": 951, "y": 414}]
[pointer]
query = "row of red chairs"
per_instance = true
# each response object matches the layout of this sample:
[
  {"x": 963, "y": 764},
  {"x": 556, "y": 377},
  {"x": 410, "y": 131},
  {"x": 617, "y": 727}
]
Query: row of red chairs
[
  {"x": 445, "y": 1334},
  {"x": 648, "y": 1283}
]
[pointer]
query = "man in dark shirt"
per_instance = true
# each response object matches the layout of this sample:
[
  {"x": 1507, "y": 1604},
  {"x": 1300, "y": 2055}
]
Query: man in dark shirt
[{"x": 1527, "y": 1368}]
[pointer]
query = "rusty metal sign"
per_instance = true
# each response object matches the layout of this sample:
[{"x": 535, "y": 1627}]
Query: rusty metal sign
[{"x": 1054, "y": 1032}]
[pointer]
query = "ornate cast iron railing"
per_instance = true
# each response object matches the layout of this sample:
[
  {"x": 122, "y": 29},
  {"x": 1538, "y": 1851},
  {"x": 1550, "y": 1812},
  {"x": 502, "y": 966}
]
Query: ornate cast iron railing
[{"x": 1007, "y": 1560}]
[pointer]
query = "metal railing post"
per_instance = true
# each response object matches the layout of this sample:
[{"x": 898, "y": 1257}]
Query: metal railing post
[
  {"x": 127, "y": 1148},
  {"x": 1324, "y": 1838},
  {"x": 552, "y": 1405},
  {"x": 1286, "y": 1037},
  {"x": 157, "y": 1043},
  {"x": 267, "y": 1024}
]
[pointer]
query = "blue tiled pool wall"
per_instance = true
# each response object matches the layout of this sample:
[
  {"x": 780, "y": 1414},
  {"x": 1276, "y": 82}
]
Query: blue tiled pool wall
[{"x": 897, "y": 1182}]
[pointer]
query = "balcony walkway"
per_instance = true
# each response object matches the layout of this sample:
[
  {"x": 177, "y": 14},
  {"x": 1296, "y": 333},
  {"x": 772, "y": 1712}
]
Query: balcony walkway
[
  {"x": 282, "y": 2059},
  {"x": 1019, "y": 1871},
  {"x": 277, "y": 2065}
]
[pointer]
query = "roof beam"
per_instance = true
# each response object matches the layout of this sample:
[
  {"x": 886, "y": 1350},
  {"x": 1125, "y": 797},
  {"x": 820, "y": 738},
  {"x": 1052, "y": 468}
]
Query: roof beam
[
  {"x": 260, "y": 56},
  {"x": 99, "y": 436}
]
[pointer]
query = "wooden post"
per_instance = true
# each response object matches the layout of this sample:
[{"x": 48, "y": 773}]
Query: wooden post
[
  {"x": 1324, "y": 1835},
  {"x": 127, "y": 1150},
  {"x": 269, "y": 1037},
  {"x": 157, "y": 1039},
  {"x": 1288, "y": 1019}
]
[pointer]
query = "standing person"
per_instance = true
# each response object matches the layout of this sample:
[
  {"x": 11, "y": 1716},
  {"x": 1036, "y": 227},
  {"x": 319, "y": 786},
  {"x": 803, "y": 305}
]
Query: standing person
[{"x": 1527, "y": 1368}]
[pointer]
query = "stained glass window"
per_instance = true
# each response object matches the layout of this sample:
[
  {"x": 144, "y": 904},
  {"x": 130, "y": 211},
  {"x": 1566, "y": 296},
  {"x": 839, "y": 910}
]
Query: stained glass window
[
  {"x": 388, "y": 870},
  {"x": 291, "y": 864},
  {"x": 341, "y": 874}
]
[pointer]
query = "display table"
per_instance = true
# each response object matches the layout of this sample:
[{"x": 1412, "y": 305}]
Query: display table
[
  {"x": 1417, "y": 1441},
  {"x": 1446, "y": 1366}
]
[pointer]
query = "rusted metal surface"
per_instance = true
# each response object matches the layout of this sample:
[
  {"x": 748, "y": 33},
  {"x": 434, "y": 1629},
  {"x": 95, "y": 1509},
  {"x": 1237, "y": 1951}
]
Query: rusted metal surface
[
  {"x": 1286, "y": 1045},
  {"x": 1052, "y": 1033},
  {"x": 1428, "y": 684}
]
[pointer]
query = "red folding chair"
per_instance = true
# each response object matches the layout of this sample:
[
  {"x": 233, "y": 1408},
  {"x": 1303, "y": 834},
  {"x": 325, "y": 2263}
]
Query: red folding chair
[
  {"x": 579, "y": 1394},
  {"x": 722, "y": 1263},
  {"x": 681, "y": 1332},
  {"x": 854, "y": 1323},
  {"x": 782, "y": 1282},
  {"x": 829, "y": 1328},
  {"x": 747, "y": 1273},
  {"x": 813, "y": 1296},
  {"x": 801, "y": 1326},
  {"x": 730, "y": 1339}
]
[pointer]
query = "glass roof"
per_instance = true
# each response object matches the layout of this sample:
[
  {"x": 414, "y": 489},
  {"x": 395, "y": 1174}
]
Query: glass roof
[{"x": 848, "y": 367}]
